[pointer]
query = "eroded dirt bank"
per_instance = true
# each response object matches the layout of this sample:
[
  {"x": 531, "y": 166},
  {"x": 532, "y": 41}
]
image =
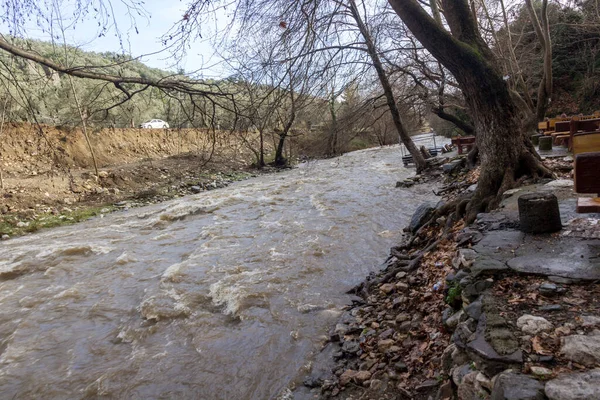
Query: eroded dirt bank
[{"x": 48, "y": 175}]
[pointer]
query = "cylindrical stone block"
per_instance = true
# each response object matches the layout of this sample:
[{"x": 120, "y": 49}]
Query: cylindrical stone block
[
  {"x": 545, "y": 142},
  {"x": 535, "y": 139},
  {"x": 539, "y": 213}
]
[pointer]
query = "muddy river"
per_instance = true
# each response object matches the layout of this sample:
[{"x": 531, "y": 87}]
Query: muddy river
[{"x": 221, "y": 295}]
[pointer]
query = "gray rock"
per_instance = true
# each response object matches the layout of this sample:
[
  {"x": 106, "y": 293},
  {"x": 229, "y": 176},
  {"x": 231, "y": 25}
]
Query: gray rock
[
  {"x": 458, "y": 373},
  {"x": 420, "y": 216},
  {"x": 590, "y": 320},
  {"x": 474, "y": 309},
  {"x": 582, "y": 349},
  {"x": 447, "y": 361},
  {"x": 533, "y": 325},
  {"x": 472, "y": 291},
  {"x": 460, "y": 357},
  {"x": 563, "y": 281},
  {"x": 462, "y": 334},
  {"x": 195, "y": 189},
  {"x": 468, "y": 389},
  {"x": 576, "y": 386},
  {"x": 351, "y": 347},
  {"x": 453, "y": 321},
  {"x": 513, "y": 386},
  {"x": 494, "y": 348},
  {"x": 548, "y": 289},
  {"x": 447, "y": 313},
  {"x": 573, "y": 259},
  {"x": 488, "y": 265},
  {"x": 453, "y": 166},
  {"x": 5, "y": 237}
]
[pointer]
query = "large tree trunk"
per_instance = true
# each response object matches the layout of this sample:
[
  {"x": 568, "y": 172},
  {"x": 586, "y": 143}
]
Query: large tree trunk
[
  {"x": 505, "y": 152},
  {"x": 418, "y": 158}
]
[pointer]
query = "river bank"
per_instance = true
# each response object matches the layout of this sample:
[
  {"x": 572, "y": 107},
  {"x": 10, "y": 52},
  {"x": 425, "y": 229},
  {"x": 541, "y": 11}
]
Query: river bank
[{"x": 489, "y": 313}]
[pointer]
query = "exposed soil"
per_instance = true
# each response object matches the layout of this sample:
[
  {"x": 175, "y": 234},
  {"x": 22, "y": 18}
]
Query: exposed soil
[{"x": 51, "y": 173}]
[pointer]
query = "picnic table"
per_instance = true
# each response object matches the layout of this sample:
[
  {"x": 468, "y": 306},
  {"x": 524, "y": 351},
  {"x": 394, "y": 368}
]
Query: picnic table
[
  {"x": 463, "y": 143},
  {"x": 586, "y": 151}
]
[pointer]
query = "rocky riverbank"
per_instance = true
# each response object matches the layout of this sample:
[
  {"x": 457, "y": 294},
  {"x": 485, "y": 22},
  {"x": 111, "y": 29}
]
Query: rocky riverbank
[{"x": 476, "y": 312}]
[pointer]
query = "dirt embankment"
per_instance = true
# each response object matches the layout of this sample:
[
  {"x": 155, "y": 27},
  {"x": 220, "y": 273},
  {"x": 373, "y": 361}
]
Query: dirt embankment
[{"x": 50, "y": 172}]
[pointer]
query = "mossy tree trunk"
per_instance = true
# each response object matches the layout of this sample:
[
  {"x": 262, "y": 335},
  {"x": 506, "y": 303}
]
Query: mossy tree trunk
[{"x": 505, "y": 151}]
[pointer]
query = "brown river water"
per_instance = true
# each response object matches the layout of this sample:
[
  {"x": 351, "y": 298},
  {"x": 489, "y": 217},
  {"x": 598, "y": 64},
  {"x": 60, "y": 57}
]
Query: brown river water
[{"x": 221, "y": 295}]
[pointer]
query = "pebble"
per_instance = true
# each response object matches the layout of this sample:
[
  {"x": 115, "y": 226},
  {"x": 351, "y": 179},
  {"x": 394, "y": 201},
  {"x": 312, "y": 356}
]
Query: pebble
[
  {"x": 541, "y": 372},
  {"x": 387, "y": 288},
  {"x": 548, "y": 289}
]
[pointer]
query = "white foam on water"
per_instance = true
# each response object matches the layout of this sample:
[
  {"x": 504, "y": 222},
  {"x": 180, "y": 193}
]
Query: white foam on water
[
  {"x": 167, "y": 304},
  {"x": 319, "y": 205},
  {"x": 125, "y": 258},
  {"x": 173, "y": 272}
]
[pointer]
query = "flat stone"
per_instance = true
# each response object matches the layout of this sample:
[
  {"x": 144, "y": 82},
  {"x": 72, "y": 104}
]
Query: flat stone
[
  {"x": 514, "y": 386},
  {"x": 533, "y": 325},
  {"x": 576, "y": 386},
  {"x": 491, "y": 362},
  {"x": 195, "y": 189},
  {"x": 510, "y": 192},
  {"x": 562, "y": 281},
  {"x": 496, "y": 241},
  {"x": 582, "y": 349},
  {"x": 560, "y": 183},
  {"x": 573, "y": 259},
  {"x": 487, "y": 264}
]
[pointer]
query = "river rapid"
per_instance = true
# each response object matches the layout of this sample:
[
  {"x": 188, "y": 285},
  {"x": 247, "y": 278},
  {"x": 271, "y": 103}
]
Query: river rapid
[{"x": 221, "y": 295}]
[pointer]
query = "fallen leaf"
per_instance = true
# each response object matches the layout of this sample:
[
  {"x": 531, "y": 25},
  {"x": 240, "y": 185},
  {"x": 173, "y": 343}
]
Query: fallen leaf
[{"x": 538, "y": 348}]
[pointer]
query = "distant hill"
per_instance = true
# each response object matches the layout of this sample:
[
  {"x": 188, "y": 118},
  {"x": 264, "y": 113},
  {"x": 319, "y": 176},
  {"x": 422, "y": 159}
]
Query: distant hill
[{"x": 38, "y": 93}]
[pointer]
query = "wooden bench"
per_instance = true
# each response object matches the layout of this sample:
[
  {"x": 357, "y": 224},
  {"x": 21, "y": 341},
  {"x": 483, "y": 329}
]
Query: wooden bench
[
  {"x": 463, "y": 143},
  {"x": 586, "y": 150},
  {"x": 578, "y": 126}
]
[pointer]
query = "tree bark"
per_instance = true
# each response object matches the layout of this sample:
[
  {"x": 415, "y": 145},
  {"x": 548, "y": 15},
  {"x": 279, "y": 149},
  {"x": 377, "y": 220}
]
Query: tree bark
[
  {"x": 502, "y": 144},
  {"x": 542, "y": 31},
  {"x": 460, "y": 124},
  {"x": 418, "y": 159}
]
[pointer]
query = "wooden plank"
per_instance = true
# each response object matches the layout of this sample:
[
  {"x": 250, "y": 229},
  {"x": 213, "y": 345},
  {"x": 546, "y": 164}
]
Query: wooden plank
[
  {"x": 586, "y": 142},
  {"x": 588, "y": 205}
]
